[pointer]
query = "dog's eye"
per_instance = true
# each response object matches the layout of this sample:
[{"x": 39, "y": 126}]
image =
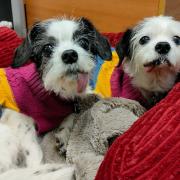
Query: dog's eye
[
  {"x": 84, "y": 43},
  {"x": 176, "y": 39},
  {"x": 47, "y": 50},
  {"x": 144, "y": 40}
]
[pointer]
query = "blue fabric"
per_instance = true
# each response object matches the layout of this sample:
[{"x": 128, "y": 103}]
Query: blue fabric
[
  {"x": 98, "y": 63},
  {"x": 95, "y": 72},
  {"x": 1, "y": 111}
]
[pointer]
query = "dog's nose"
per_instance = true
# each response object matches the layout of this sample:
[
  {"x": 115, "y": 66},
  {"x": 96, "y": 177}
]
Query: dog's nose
[
  {"x": 69, "y": 56},
  {"x": 162, "y": 47}
]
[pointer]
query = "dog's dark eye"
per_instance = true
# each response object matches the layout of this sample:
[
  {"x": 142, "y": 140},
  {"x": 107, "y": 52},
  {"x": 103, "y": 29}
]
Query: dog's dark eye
[
  {"x": 176, "y": 39},
  {"x": 144, "y": 40},
  {"x": 47, "y": 50},
  {"x": 84, "y": 43}
]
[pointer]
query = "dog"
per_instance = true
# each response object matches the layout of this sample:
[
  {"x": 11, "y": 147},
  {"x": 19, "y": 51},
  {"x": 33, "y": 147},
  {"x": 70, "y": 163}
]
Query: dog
[
  {"x": 37, "y": 97},
  {"x": 151, "y": 53}
]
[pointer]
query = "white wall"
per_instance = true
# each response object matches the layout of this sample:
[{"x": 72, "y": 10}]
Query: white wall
[{"x": 18, "y": 14}]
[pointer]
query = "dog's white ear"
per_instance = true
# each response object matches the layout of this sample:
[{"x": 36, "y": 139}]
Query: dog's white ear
[
  {"x": 101, "y": 45},
  {"x": 123, "y": 46},
  {"x": 25, "y": 51}
]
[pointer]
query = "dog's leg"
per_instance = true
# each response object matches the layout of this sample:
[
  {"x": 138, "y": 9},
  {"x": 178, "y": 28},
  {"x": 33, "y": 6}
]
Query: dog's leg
[
  {"x": 9, "y": 148},
  {"x": 44, "y": 172},
  {"x": 31, "y": 148},
  {"x": 62, "y": 134},
  {"x": 23, "y": 128}
]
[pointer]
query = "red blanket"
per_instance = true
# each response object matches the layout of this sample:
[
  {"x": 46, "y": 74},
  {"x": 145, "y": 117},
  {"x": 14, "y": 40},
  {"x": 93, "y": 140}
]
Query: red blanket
[
  {"x": 9, "y": 41},
  {"x": 150, "y": 149}
]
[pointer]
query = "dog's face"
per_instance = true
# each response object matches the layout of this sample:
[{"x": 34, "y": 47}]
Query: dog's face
[
  {"x": 64, "y": 52},
  {"x": 152, "y": 49}
]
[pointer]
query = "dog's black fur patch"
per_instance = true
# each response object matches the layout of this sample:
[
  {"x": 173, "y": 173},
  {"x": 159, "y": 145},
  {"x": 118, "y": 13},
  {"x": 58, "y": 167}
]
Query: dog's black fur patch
[
  {"x": 33, "y": 46},
  {"x": 90, "y": 39},
  {"x": 123, "y": 46}
]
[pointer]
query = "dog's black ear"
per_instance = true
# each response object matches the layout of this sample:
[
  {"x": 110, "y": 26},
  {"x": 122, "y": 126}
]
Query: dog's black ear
[
  {"x": 22, "y": 53},
  {"x": 25, "y": 51},
  {"x": 123, "y": 46},
  {"x": 101, "y": 45}
]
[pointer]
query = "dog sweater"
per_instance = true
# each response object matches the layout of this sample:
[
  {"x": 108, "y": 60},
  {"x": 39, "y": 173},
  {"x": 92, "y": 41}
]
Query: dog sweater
[
  {"x": 109, "y": 80},
  {"x": 22, "y": 90}
]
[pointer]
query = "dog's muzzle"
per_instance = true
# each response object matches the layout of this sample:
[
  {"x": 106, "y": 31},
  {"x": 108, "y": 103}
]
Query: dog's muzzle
[{"x": 156, "y": 63}]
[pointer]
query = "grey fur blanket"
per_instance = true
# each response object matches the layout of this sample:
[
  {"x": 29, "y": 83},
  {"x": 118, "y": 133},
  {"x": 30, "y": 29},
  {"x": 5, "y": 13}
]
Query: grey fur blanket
[{"x": 94, "y": 130}]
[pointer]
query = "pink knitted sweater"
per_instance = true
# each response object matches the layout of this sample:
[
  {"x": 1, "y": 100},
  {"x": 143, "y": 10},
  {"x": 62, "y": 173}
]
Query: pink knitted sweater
[{"x": 46, "y": 108}]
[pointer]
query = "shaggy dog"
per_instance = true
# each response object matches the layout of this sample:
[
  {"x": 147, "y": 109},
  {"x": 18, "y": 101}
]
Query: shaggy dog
[
  {"x": 39, "y": 95},
  {"x": 151, "y": 53}
]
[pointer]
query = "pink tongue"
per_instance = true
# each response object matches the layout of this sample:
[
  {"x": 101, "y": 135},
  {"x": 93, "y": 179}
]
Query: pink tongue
[
  {"x": 82, "y": 82},
  {"x": 149, "y": 68}
]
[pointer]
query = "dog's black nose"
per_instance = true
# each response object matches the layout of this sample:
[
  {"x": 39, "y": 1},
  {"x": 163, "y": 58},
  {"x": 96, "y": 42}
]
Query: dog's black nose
[
  {"x": 162, "y": 47},
  {"x": 69, "y": 56}
]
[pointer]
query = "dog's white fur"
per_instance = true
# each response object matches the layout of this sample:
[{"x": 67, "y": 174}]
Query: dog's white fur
[
  {"x": 55, "y": 79},
  {"x": 18, "y": 141},
  {"x": 21, "y": 155},
  {"x": 162, "y": 78},
  {"x": 43, "y": 172}
]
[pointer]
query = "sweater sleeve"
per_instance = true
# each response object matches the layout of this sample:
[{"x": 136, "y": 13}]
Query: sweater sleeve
[{"x": 6, "y": 95}]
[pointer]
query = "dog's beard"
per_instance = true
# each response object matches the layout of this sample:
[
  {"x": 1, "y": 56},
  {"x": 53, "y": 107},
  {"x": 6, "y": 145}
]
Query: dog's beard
[{"x": 69, "y": 83}]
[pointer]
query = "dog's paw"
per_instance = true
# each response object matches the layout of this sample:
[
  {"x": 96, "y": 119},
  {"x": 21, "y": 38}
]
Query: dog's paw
[
  {"x": 61, "y": 139},
  {"x": 109, "y": 104},
  {"x": 61, "y": 146}
]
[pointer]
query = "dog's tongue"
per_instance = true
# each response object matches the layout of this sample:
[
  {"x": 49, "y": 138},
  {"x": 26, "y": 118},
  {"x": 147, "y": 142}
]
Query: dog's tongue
[
  {"x": 82, "y": 82},
  {"x": 156, "y": 63},
  {"x": 149, "y": 68}
]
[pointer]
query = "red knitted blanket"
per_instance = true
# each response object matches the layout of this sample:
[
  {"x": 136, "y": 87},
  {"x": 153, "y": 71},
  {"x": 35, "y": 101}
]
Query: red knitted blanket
[{"x": 150, "y": 149}]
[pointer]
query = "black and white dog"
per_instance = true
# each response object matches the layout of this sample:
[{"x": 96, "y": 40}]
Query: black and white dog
[
  {"x": 151, "y": 52},
  {"x": 63, "y": 51}
]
